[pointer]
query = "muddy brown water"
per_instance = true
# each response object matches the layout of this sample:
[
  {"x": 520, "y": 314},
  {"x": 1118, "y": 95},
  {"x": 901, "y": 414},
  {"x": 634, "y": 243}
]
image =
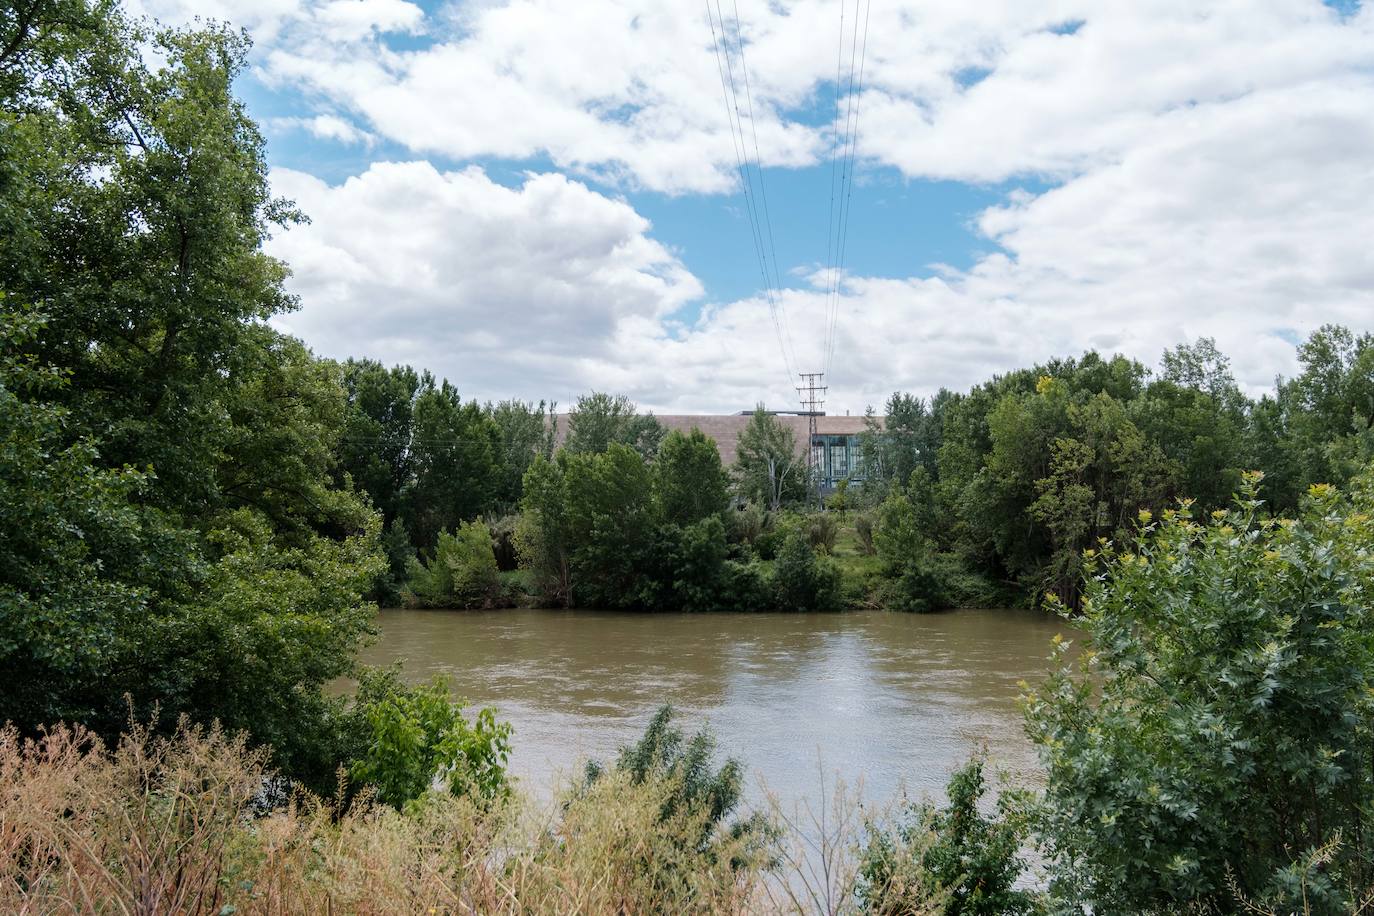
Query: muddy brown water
[{"x": 894, "y": 700}]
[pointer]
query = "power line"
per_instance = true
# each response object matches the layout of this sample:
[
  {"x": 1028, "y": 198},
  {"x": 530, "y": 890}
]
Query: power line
[
  {"x": 763, "y": 190},
  {"x": 847, "y": 177},
  {"x": 725, "y": 68}
]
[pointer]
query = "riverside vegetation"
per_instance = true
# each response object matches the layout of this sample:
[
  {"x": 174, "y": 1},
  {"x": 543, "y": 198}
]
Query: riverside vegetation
[{"x": 197, "y": 516}]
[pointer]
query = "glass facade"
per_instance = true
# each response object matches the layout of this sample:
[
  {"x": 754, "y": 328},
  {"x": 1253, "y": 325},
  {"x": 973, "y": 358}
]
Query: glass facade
[{"x": 836, "y": 457}]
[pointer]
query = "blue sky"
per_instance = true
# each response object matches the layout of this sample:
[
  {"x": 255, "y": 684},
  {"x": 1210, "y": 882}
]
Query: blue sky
[{"x": 538, "y": 198}]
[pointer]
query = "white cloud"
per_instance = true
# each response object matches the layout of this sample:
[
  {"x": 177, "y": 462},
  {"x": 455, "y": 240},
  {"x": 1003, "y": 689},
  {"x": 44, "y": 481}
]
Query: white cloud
[
  {"x": 1212, "y": 163},
  {"x": 506, "y": 291},
  {"x": 327, "y": 127}
]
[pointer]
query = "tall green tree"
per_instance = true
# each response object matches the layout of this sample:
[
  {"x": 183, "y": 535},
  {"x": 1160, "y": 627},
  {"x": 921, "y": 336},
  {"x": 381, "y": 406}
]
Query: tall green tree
[
  {"x": 525, "y": 432},
  {"x": 907, "y": 436},
  {"x": 455, "y": 448},
  {"x": 768, "y": 468},
  {"x": 375, "y": 447},
  {"x": 688, "y": 477},
  {"x": 599, "y": 420},
  {"x": 198, "y": 496},
  {"x": 612, "y": 528}
]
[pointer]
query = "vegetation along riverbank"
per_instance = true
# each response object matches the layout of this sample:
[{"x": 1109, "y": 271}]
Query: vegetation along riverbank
[{"x": 198, "y": 517}]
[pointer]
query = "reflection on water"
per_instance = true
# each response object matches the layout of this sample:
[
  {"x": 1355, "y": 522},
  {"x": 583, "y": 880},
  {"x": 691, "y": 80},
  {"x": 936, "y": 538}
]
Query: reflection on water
[{"x": 900, "y": 699}]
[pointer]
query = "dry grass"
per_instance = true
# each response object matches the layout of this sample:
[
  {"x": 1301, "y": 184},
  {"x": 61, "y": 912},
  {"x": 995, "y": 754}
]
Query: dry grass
[{"x": 166, "y": 826}]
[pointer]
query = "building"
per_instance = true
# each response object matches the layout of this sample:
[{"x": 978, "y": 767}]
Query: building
[{"x": 835, "y": 450}]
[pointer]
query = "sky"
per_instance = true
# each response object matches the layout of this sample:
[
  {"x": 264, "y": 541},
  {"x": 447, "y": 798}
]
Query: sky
[{"x": 539, "y": 198}]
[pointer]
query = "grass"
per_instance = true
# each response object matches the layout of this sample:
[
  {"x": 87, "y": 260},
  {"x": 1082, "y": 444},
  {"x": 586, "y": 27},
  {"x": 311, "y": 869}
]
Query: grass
[{"x": 181, "y": 824}]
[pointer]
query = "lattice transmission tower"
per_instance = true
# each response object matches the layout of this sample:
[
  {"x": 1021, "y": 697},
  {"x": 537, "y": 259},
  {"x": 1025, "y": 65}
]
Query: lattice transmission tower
[{"x": 812, "y": 391}]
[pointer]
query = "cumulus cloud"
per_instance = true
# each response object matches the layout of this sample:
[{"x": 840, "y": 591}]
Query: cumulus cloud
[
  {"x": 327, "y": 127},
  {"x": 504, "y": 290},
  {"x": 1208, "y": 167}
]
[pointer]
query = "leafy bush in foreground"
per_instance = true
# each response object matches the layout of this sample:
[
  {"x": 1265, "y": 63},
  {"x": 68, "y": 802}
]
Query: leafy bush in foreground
[
  {"x": 955, "y": 861},
  {"x": 418, "y": 735},
  {"x": 1216, "y": 736}
]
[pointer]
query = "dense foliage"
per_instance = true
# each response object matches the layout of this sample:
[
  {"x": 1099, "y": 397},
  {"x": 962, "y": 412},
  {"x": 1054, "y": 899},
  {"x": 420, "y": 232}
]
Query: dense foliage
[
  {"x": 955, "y": 860},
  {"x": 1216, "y": 738},
  {"x": 175, "y": 532},
  {"x": 1013, "y": 480},
  {"x": 462, "y": 573}
]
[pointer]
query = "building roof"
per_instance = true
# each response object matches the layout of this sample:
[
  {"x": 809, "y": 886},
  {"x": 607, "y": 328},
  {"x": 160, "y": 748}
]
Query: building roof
[{"x": 726, "y": 428}]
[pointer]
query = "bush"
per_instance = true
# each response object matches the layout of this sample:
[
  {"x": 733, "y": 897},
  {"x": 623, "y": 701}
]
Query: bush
[
  {"x": 699, "y": 575},
  {"x": 750, "y": 523},
  {"x": 821, "y": 530},
  {"x": 696, "y": 789},
  {"x": 802, "y": 581},
  {"x": 462, "y": 574},
  {"x": 955, "y": 861},
  {"x": 863, "y": 528},
  {"x": 1217, "y": 733},
  {"x": 502, "y": 529},
  {"x": 417, "y": 736}
]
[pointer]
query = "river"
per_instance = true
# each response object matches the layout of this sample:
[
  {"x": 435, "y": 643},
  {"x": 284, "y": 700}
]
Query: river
[{"x": 900, "y": 699}]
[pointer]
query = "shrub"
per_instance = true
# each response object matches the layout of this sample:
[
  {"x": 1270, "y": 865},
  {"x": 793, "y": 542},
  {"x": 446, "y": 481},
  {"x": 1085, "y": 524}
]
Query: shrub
[
  {"x": 697, "y": 790},
  {"x": 802, "y": 581},
  {"x": 863, "y": 527},
  {"x": 695, "y": 562},
  {"x": 750, "y": 523},
  {"x": 462, "y": 573},
  {"x": 503, "y": 545},
  {"x": 841, "y": 500},
  {"x": 821, "y": 530},
  {"x": 955, "y": 861},
  {"x": 417, "y": 736},
  {"x": 1217, "y": 731}
]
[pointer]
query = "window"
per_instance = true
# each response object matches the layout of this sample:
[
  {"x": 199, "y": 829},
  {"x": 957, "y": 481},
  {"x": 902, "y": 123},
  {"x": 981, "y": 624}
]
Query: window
[{"x": 839, "y": 460}]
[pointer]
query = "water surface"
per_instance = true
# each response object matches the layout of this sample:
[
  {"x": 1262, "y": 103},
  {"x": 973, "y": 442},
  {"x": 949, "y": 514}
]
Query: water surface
[{"x": 902, "y": 699}]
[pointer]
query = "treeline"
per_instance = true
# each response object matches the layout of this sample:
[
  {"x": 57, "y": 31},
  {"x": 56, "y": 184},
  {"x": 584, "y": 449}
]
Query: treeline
[
  {"x": 621, "y": 514},
  {"x": 1002, "y": 489},
  {"x": 981, "y": 498}
]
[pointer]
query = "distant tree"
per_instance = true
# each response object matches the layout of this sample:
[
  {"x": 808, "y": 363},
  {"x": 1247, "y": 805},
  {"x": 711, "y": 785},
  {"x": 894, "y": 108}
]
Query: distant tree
[
  {"x": 768, "y": 469},
  {"x": 803, "y": 581},
  {"x": 525, "y": 432},
  {"x": 905, "y": 543},
  {"x": 907, "y": 436},
  {"x": 1328, "y": 408},
  {"x": 688, "y": 477},
  {"x": 455, "y": 448},
  {"x": 612, "y": 529},
  {"x": 375, "y": 447},
  {"x": 460, "y": 572},
  {"x": 599, "y": 420},
  {"x": 543, "y": 536}
]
